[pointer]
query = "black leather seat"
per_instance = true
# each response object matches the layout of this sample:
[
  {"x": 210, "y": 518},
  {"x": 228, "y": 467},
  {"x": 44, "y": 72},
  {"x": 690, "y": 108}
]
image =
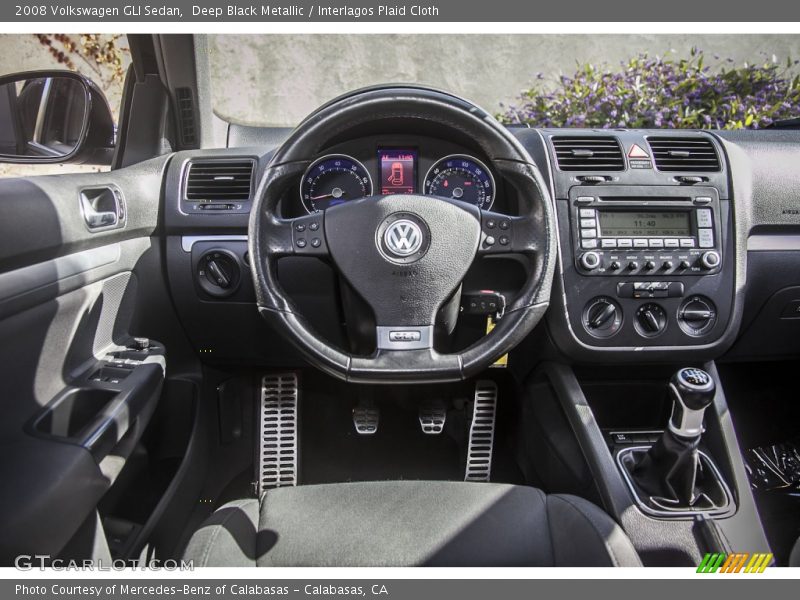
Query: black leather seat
[{"x": 411, "y": 523}]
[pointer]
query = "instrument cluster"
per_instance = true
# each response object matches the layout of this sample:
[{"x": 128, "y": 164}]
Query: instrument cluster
[{"x": 377, "y": 168}]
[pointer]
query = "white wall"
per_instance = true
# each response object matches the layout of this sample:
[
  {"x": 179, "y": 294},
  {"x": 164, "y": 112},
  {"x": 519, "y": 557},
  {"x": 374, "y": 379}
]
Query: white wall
[{"x": 278, "y": 79}]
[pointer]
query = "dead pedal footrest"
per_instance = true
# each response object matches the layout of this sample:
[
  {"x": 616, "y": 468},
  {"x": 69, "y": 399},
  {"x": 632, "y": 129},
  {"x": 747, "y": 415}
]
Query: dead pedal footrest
[
  {"x": 481, "y": 432},
  {"x": 277, "y": 459}
]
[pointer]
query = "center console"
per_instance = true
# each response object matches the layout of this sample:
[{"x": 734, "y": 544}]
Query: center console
[{"x": 648, "y": 255}]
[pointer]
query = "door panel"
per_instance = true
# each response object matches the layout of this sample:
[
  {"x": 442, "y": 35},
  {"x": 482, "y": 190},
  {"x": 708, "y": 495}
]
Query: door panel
[{"x": 68, "y": 298}]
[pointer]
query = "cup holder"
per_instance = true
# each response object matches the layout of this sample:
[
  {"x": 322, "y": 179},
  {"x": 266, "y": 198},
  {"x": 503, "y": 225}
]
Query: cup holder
[{"x": 70, "y": 414}]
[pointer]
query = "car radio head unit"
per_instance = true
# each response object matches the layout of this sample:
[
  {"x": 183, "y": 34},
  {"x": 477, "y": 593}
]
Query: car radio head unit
[{"x": 675, "y": 233}]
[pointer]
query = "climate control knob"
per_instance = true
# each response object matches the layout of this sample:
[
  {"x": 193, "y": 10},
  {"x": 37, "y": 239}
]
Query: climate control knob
[
  {"x": 697, "y": 316},
  {"x": 710, "y": 259},
  {"x": 602, "y": 317},
  {"x": 590, "y": 260},
  {"x": 650, "y": 320}
]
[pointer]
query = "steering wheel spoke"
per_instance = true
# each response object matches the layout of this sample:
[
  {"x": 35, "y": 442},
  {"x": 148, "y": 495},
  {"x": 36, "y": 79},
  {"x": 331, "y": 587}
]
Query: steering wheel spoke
[{"x": 503, "y": 234}]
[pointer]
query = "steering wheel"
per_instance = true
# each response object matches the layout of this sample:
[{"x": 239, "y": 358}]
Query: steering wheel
[{"x": 405, "y": 255}]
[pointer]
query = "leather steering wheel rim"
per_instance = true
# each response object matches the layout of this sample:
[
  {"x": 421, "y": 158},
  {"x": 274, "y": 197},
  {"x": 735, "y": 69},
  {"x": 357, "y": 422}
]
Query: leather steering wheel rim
[{"x": 532, "y": 236}]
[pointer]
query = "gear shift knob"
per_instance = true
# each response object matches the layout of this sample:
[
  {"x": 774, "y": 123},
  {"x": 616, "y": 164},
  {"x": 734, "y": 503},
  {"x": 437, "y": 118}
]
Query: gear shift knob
[{"x": 692, "y": 391}]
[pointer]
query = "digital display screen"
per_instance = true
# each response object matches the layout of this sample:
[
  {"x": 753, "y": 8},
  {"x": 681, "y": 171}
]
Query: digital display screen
[
  {"x": 398, "y": 170},
  {"x": 644, "y": 224}
]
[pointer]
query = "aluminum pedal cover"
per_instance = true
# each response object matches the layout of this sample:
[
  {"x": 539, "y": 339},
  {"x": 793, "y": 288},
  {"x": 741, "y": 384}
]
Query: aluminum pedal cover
[
  {"x": 481, "y": 432},
  {"x": 366, "y": 419},
  {"x": 277, "y": 459},
  {"x": 432, "y": 418}
]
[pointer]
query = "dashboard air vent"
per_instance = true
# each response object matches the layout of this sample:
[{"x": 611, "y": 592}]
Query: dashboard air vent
[
  {"x": 588, "y": 153},
  {"x": 219, "y": 180},
  {"x": 684, "y": 154}
]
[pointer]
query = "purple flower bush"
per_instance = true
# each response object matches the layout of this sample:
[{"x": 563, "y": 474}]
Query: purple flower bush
[{"x": 662, "y": 92}]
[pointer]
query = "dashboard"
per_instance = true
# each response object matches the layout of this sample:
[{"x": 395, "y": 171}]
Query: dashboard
[{"x": 653, "y": 254}]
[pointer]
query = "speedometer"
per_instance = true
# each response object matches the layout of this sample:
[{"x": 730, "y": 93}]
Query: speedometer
[
  {"x": 334, "y": 179},
  {"x": 461, "y": 177}
]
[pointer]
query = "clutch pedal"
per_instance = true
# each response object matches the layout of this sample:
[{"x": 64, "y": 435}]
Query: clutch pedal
[
  {"x": 432, "y": 418},
  {"x": 277, "y": 459},
  {"x": 481, "y": 432},
  {"x": 366, "y": 418}
]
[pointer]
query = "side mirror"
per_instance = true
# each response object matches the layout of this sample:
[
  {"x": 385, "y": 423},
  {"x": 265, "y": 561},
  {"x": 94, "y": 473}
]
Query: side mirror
[{"x": 54, "y": 117}]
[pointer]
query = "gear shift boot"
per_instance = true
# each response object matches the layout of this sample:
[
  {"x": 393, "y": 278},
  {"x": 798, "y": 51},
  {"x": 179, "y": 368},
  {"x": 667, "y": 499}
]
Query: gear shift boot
[
  {"x": 674, "y": 495},
  {"x": 673, "y": 477}
]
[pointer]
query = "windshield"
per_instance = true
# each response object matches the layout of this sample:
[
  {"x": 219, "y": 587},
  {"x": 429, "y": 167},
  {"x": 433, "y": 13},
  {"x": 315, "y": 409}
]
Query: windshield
[{"x": 540, "y": 80}]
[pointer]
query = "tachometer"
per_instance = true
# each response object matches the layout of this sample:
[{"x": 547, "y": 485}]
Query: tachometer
[
  {"x": 332, "y": 180},
  {"x": 461, "y": 177}
]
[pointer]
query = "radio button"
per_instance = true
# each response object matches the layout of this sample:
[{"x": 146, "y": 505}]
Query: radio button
[
  {"x": 584, "y": 199},
  {"x": 687, "y": 243},
  {"x": 671, "y": 243},
  {"x": 608, "y": 243},
  {"x": 633, "y": 265},
  {"x": 656, "y": 243},
  {"x": 624, "y": 243},
  {"x": 588, "y": 233},
  {"x": 588, "y": 223},
  {"x": 588, "y": 244},
  {"x": 590, "y": 260},
  {"x": 704, "y": 217},
  {"x": 587, "y": 213},
  {"x": 702, "y": 200},
  {"x": 706, "y": 237},
  {"x": 640, "y": 243}
]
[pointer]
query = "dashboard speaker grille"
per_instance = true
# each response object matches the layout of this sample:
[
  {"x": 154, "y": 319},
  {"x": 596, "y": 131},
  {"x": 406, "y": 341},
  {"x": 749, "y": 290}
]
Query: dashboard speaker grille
[
  {"x": 588, "y": 153},
  {"x": 681, "y": 154},
  {"x": 188, "y": 127},
  {"x": 220, "y": 180}
]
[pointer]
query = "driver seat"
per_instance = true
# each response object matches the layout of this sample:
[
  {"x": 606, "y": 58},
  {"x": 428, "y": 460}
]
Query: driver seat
[{"x": 410, "y": 523}]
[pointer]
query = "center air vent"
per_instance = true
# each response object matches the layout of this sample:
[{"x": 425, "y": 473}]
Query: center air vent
[
  {"x": 588, "y": 153},
  {"x": 219, "y": 180},
  {"x": 684, "y": 154}
]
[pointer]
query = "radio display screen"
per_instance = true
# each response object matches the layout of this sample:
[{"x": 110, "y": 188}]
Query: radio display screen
[{"x": 644, "y": 224}]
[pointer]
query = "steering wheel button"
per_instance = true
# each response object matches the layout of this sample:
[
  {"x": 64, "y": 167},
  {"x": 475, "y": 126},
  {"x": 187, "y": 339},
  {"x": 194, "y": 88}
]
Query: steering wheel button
[
  {"x": 504, "y": 240},
  {"x": 314, "y": 226},
  {"x": 301, "y": 243},
  {"x": 315, "y": 242},
  {"x": 489, "y": 241},
  {"x": 505, "y": 225},
  {"x": 491, "y": 224},
  {"x": 300, "y": 227}
]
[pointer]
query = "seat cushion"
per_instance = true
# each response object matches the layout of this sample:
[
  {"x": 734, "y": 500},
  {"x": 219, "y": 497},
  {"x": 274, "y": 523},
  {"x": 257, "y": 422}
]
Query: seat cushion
[{"x": 410, "y": 523}]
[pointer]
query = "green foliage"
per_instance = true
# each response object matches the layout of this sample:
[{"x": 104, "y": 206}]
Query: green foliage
[{"x": 658, "y": 92}]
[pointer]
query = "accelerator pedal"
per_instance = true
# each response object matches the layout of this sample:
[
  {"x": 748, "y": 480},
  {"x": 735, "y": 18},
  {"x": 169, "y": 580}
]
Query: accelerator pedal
[
  {"x": 366, "y": 418},
  {"x": 481, "y": 432},
  {"x": 432, "y": 418},
  {"x": 277, "y": 459}
]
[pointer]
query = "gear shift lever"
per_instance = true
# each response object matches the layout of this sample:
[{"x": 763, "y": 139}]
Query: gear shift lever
[
  {"x": 692, "y": 391},
  {"x": 671, "y": 473}
]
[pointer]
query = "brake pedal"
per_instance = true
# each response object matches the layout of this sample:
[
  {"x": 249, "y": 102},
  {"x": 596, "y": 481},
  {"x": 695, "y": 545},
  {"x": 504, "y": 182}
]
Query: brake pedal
[
  {"x": 277, "y": 460},
  {"x": 481, "y": 432},
  {"x": 432, "y": 418},
  {"x": 366, "y": 418}
]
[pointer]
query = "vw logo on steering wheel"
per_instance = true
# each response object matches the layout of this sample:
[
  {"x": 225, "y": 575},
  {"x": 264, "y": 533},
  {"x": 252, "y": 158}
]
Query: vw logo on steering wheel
[{"x": 403, "y": 238}]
